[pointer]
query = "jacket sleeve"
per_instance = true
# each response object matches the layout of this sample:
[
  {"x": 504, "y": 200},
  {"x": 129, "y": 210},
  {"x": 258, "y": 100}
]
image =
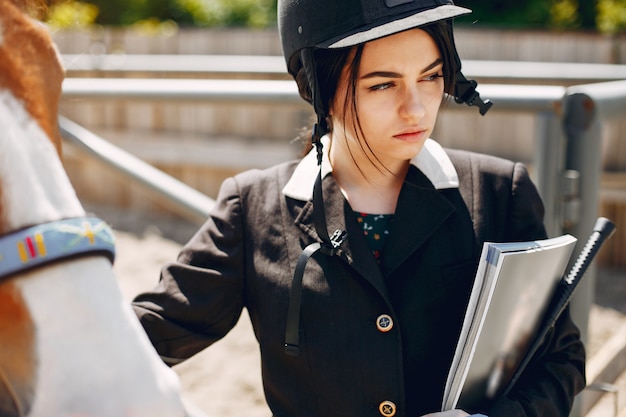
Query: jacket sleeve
[
  {"x": 556, "y": 372},
  {"x": 554, "y": 376},
  {"x": 199, "y": 297}
]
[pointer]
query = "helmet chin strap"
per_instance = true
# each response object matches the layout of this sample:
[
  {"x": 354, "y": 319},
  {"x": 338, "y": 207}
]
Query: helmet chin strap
[
  {"x": 307, "y": 56},
  {"x": 320, "y": 128},
  {"x": 329, "y": 245}
]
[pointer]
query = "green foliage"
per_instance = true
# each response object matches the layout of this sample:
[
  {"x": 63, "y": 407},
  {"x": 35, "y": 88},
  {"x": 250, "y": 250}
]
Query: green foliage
[
  {"x": 128, "y": 12},
  {"x": 507, "y": 14},
  {"x": 611, "y": 15},
  {"x": 607, "y": 16},
  {"x": 250, "y": 13},
  {"x": 74, "y": 14},
  {"x": 564, "y": 14}
]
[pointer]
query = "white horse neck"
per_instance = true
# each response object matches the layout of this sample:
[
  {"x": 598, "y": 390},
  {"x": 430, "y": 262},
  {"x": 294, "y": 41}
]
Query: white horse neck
[
  {"x": 94, "y": 358},
  {"x": 35, "y": 188}
]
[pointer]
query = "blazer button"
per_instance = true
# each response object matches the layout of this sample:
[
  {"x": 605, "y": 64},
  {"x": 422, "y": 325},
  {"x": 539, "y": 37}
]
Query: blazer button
[
  {"x": 384, "y": 323},
  {"x": 387, "y": 409}
]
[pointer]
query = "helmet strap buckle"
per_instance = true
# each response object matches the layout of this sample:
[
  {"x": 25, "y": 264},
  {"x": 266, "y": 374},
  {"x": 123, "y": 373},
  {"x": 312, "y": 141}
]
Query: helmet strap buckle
[{"x": 465, "y": 92}]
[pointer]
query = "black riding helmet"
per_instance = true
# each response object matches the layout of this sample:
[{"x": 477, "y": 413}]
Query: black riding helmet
[{"x": 305, "y": 25}]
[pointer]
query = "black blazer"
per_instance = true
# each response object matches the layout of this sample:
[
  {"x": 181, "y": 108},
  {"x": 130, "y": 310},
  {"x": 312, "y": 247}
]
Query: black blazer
[{"x": 350, "y": 365}]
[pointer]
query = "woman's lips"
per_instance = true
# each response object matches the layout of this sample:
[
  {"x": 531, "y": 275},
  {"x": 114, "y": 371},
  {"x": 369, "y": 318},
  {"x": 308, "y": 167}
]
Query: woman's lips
[{"x": 411, "y": 136}]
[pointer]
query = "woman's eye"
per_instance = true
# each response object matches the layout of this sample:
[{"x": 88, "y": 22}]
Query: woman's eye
[
  {"x": 380, "y": 87},
  {"x": 432, "y": 77}
]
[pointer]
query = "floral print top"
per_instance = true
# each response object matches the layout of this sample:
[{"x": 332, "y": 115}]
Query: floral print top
[{"x": 376, "y": 230}]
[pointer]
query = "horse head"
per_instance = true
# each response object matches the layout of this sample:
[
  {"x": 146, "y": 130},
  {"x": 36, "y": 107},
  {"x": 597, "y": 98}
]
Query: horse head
[{"x": 69, "y": 343}]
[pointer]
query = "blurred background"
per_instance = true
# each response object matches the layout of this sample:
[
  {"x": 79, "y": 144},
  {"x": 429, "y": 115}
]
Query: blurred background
[{"x": 201, "y": 141}]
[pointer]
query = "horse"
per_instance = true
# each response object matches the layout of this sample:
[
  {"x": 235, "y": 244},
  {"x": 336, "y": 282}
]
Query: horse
[{"x": 70, "y": 345}]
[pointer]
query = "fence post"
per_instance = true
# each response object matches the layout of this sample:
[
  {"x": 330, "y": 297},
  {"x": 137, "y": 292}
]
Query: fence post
[
  {"x": 583, "y": 155},
  {"x": 550, "y": 161},
  {"x": 583, "y": 161}
]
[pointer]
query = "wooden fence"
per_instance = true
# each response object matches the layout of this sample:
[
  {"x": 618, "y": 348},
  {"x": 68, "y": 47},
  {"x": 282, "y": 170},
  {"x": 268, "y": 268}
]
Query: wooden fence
[{"x": 480, "y": 44}]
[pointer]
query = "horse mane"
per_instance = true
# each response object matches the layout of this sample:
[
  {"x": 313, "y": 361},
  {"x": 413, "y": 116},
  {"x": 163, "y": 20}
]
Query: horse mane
[
  {"x": 34, "y": 8},
  {"x": 22, "y": 38}
]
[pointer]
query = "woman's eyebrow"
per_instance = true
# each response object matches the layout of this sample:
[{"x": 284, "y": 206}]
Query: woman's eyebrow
[
  {"x": 391, "y": 74},
  {"x": 434, "y": 64}
]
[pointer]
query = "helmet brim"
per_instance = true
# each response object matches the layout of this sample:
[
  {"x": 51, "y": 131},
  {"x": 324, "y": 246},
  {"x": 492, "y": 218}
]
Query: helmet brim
[{"x": 395, "y": 26}]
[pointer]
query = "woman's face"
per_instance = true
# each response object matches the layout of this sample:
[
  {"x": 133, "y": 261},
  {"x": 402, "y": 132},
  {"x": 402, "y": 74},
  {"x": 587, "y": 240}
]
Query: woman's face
[{"x": 399, "y": 89}]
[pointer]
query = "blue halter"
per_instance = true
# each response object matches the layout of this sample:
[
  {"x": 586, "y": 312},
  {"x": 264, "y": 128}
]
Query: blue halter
[{"x": 49, "y": 242}]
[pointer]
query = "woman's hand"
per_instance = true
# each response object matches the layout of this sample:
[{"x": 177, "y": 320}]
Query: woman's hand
[{"x": 451, "y": 413}]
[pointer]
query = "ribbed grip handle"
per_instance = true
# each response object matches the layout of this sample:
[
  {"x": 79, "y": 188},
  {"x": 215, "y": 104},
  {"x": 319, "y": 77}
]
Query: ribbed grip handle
[{"x": 602, "y": 230}]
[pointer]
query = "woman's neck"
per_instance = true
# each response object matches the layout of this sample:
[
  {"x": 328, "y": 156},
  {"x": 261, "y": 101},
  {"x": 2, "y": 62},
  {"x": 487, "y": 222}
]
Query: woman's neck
[{"x": 367, "y": 185}]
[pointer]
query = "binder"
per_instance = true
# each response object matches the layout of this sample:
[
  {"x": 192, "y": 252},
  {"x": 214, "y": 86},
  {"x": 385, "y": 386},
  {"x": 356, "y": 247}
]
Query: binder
[{"x": 519, "y": 292}]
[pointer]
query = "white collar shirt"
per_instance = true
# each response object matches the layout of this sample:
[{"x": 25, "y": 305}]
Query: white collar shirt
[{"x": 432, "y": 161}]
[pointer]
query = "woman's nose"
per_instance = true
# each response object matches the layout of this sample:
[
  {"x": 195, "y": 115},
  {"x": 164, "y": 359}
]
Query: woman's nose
[{"x": 412, "y": 105}]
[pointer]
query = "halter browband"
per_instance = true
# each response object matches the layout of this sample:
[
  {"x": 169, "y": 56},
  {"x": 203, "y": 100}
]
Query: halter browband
[{"x": 49, "y": 242}]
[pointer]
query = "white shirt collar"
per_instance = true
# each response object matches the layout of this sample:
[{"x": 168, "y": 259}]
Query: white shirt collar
[{"x": 432, "y": 161}]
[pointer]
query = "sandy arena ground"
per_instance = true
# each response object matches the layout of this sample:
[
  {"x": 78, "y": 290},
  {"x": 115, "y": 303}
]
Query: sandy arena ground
[{"x": 225, "y": 379}]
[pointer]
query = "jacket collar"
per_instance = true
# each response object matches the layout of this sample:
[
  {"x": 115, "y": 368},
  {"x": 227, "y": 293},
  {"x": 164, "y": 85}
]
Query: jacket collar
[{"x": 432, "y": 161}]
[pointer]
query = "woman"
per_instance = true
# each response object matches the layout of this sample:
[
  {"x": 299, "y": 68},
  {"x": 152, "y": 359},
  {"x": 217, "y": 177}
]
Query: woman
[{"x": 356, "y": 262}]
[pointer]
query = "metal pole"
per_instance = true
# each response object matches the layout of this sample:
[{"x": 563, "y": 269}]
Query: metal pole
[
  {"x": 584, "y": 107},
  {"x": 583, "y": 156},
  {"x": 550, "y": 162},
  {"x": 190, "y": 203}
]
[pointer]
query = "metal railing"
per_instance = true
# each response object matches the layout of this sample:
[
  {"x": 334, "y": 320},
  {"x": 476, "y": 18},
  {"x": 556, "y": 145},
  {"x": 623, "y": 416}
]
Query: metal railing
[
  {"x": 544, "y": 101},
  {"x": 222, "y": 91},
  {"x": 512, "y": 98},
  {"x": 518, "y": 98},
  {"x": 220, "y": 64},
  {"x": 187, "y": 201},
  {"x": 588, "y": 102},
  {"x": 274, "y": 66}
]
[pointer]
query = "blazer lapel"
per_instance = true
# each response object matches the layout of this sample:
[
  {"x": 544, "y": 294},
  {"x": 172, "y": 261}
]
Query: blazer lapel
[
  {"x": 334, "y": 211},
  {"x": 420, "y": 212},
  {"x": 354, "y": 249}
]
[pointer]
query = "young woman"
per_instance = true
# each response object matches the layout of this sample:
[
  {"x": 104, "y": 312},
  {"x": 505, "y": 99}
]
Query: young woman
[{"x": 356, "y": 262}]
